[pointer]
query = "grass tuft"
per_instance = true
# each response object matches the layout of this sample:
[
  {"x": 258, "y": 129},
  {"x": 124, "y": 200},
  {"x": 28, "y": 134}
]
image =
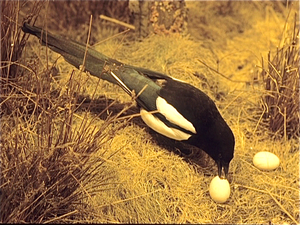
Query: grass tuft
[
  {"x": 281, "y": 78},
  {"x": 50, "y": 155}
]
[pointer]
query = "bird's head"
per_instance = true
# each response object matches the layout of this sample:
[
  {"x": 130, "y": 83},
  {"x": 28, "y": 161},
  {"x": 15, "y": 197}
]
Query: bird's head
[
  {"x": 223, "y": 164},
  {"x": 218, "y": 143},
  {"x": 223, "y": 153}
]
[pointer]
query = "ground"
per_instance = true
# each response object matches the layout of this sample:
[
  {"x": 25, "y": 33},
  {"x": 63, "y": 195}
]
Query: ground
[{"x": 147, "y": 182}]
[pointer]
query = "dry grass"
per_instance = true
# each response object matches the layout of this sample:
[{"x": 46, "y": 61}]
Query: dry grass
[
  {"x": 281, "y": 77},
  {"x": 49, "y": 154},
  {"x": 60, "y": 163}
]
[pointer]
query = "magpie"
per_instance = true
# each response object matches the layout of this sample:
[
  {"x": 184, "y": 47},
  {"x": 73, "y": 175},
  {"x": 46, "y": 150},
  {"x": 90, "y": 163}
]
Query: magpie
[{"x": 170, "y": 107}]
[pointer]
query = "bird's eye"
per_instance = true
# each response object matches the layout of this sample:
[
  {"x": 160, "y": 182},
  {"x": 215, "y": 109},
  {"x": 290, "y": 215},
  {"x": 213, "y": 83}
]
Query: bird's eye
[{"x": 220, "y": 156}]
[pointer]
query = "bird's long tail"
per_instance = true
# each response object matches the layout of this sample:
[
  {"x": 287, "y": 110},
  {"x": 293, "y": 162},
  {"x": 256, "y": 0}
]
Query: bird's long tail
[
  {"x": 74, "y": 52},
  {"x": 128, "y": 77}
]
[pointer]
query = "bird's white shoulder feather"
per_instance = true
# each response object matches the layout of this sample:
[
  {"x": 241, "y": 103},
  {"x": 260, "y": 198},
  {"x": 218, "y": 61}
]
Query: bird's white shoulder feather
[{"x": 173, "y": 115}]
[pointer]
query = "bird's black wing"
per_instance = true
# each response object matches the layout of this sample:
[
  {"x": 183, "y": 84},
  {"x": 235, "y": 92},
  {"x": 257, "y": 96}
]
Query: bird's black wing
[{"x": 191, "y": 102}]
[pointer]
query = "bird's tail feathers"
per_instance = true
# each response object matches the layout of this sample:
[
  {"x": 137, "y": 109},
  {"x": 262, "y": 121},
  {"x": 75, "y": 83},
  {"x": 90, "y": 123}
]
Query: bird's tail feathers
[
  {"x": 128, "y": 77},
  {"x": 74, "y": 52}
]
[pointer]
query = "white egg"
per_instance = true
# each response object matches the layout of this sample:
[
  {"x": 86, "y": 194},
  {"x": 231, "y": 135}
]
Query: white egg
[
  {"x": 219, "y": 189},
  {"x": 266, "y": 161}
]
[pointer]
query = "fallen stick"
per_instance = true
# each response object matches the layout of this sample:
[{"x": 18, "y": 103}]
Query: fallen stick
[{"x": 117, "y": 22}]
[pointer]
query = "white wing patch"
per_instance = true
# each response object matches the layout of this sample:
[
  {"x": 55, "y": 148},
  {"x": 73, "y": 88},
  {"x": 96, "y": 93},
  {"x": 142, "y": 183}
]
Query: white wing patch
[
  {"x": 173, "y": 115},
  {"x": 157, "y": 125}
]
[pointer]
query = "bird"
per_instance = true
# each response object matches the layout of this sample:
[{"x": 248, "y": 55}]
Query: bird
[{"x": 171, "y": 107}]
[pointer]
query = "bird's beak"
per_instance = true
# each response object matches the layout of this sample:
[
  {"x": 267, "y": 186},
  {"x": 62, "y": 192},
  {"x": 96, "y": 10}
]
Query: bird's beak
[{"x": 223, "y": 165}]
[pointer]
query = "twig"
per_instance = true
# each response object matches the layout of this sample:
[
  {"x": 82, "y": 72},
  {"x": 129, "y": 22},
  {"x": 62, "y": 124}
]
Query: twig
[
  {"x": 117, "y": 22},
  {"x": 272, "y": 196},
  {"x": 87, "y": 45},
  {"x": 283, "y": 209},
  {"x": 116, "y": 35},
  {"x": 90, "y": 197},
  {"x": 62, "y": 216},
  {"x": 260, "y": 119},
  {"x": 222, "y": 75},
  {"x": 284, "y": 125}
]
